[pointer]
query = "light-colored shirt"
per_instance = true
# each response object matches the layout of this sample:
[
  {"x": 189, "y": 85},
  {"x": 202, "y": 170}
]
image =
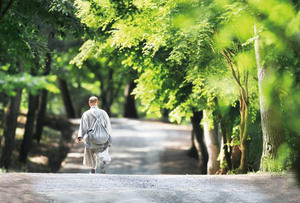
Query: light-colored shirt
[{"x": 88, "y": 119}]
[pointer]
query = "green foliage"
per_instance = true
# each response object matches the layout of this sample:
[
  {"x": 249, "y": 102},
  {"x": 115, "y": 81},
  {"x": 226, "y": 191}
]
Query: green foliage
[
  {"x": 282, "y": 162},
  {"x": 8, "y": 83},
  {"x": 177, "y": 48}
]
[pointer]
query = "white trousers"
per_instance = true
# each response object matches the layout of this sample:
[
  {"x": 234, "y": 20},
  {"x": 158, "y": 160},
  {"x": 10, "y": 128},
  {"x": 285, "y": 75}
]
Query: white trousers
[{"x": 96, "y": 157}]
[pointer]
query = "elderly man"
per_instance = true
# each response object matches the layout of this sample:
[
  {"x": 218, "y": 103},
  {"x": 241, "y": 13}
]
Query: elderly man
[{"x": 94, "y": 154}]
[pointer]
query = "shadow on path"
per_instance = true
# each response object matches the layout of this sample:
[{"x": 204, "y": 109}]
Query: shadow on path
[{"x": 142, "y": 147}]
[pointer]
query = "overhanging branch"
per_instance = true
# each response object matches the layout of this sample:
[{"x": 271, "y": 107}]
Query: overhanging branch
[{"x": 8, "y": 6}]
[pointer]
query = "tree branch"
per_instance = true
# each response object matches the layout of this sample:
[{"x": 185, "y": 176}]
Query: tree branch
[
  {"x": 231, "y": 69},
  {"x": 9, "y": 4},
  {"x": 1, "y": 3}
]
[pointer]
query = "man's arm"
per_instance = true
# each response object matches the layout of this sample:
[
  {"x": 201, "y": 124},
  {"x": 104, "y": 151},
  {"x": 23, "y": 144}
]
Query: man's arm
[
  {"x": 108, "y": 127},
  {"x": 82, "y": 128},
  {"x": 107, "y": 123}
]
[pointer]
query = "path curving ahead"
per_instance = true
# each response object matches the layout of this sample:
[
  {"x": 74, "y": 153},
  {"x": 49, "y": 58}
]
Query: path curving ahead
[{"x": 142, "y": 147}]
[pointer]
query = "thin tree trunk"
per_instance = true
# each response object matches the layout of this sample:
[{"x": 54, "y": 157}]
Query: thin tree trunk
[
  {"x": 29, "y": 126},
  {"x": 212, "y": 145},
  {"x": 270, "y": 118},
  {"x": 104, "y": 101},
  {"x": 10, "y": 129},
  {"x": 243, "y": 132},
  {"x": 192, "y": 152},
  {"x": 41, "y": 115},
  {"x": 4, "y": 100},
  {"x": 199, "y": 140},
  {"x": 42, "y": 103},
  {"x": 129, "y": 106},
  {"x": 226, "y": 123},
  {"x": 66, "y": 98},
  {"x": 226, "y": 134},
  {"x": 244, "y": 103}
]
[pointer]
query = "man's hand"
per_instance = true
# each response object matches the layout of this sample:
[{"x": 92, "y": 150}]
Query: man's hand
[{"x": 78, "y": 140}]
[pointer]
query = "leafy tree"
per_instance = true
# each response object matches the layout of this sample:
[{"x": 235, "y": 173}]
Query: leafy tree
[
  {"x": 29, "y": 24},
  {"x": 198, "y": 55}
]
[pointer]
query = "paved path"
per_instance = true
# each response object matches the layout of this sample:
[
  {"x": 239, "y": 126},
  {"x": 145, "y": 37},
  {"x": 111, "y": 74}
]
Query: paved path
[
  {"x": 142, "y": 147},
  {"x": 147, "y": 188}
]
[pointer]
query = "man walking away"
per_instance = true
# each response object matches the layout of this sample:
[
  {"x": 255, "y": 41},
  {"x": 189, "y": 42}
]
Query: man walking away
[{"x": 95, "y": 129}]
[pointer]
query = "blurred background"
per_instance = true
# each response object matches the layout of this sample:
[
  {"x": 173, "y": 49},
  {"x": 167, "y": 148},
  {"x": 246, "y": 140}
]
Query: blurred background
[{"x": 224, "y": 72}]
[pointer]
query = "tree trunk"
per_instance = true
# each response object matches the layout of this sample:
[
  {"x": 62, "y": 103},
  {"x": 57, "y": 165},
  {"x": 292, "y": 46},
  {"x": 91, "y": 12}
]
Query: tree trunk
[
  {"x": 212, "y": 144},
  {"x": 104, "y": 102},
  {"x": 192, "y": 152},
  {"x": 41, "y": 115},
  {"x": 227, "y": 119},
  {"x": 199, "y": 140},
  {"x": 129, "y": 106},
  {"x": 235, "y": 157},
  {"x": 42, "y": 103},
  {"x": 244, "y": 103},
  {"x": 10, "y": 129},
  {"x": 226, "y": 127},
  {"x": 270, "y": 118},
  {"x": 66, "y": 98},
  {"x": 243, "y": 133},
  {"x": 4, "y": 101},
  {"x": 29, "y": 126}
]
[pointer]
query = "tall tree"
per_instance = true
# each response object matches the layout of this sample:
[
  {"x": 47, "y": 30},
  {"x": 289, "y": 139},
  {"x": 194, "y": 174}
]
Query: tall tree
[
  {"x": 63, "y": 86},
  {"x": 10, "y": 129},
  {"x": 129, "y": 105},
  {"x": 199, "y": 143},
  {"x": 212, "y": 141},
  {"x": 42, "y": 104}
]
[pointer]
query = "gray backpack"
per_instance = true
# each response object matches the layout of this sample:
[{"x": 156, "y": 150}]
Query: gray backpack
[{"x": 97, "y": 134}]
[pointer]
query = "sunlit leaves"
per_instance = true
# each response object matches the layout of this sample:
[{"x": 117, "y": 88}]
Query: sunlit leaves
[
  {"x": 293, "y": 27},
  {"x": 8, "y": 83},
  {"x": 87, "y": 50},
  {"x": 246, "y": 61},
  {"x": 278, "y": 12},
  {"x": 223, "y": 38},
  {"x": 95, "y": 14}
]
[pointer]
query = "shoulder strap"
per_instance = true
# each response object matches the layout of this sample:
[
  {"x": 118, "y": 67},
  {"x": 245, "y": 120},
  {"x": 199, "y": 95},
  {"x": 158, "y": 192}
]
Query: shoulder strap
[
  {"x": 93, "y": 125},
  {"x": 94, "y": 115}
]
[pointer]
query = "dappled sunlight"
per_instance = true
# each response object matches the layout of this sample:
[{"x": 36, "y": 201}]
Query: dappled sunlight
[
  {"x": 75, "y": 155},
  {"x": 39, "y": 159},
  {"x": 142, "y": 147}
]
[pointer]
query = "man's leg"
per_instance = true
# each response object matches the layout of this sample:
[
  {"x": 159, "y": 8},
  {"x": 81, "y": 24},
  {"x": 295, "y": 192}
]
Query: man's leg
[
  {"x": 102, "y": 167},
  {"x": 100, "y": 163},
  {"x": 102, "y": 159},
  {"x": 89, "y": 159}
]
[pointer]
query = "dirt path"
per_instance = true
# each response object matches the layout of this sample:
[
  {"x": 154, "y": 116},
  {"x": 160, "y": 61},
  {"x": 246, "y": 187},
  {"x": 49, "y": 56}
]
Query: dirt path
[
  {"x": 147, "y": 188},
  {"x": 142, "y": 147}
]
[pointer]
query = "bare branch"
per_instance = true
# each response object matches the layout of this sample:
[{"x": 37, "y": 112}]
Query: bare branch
[{"x": 231, "y": 69}]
